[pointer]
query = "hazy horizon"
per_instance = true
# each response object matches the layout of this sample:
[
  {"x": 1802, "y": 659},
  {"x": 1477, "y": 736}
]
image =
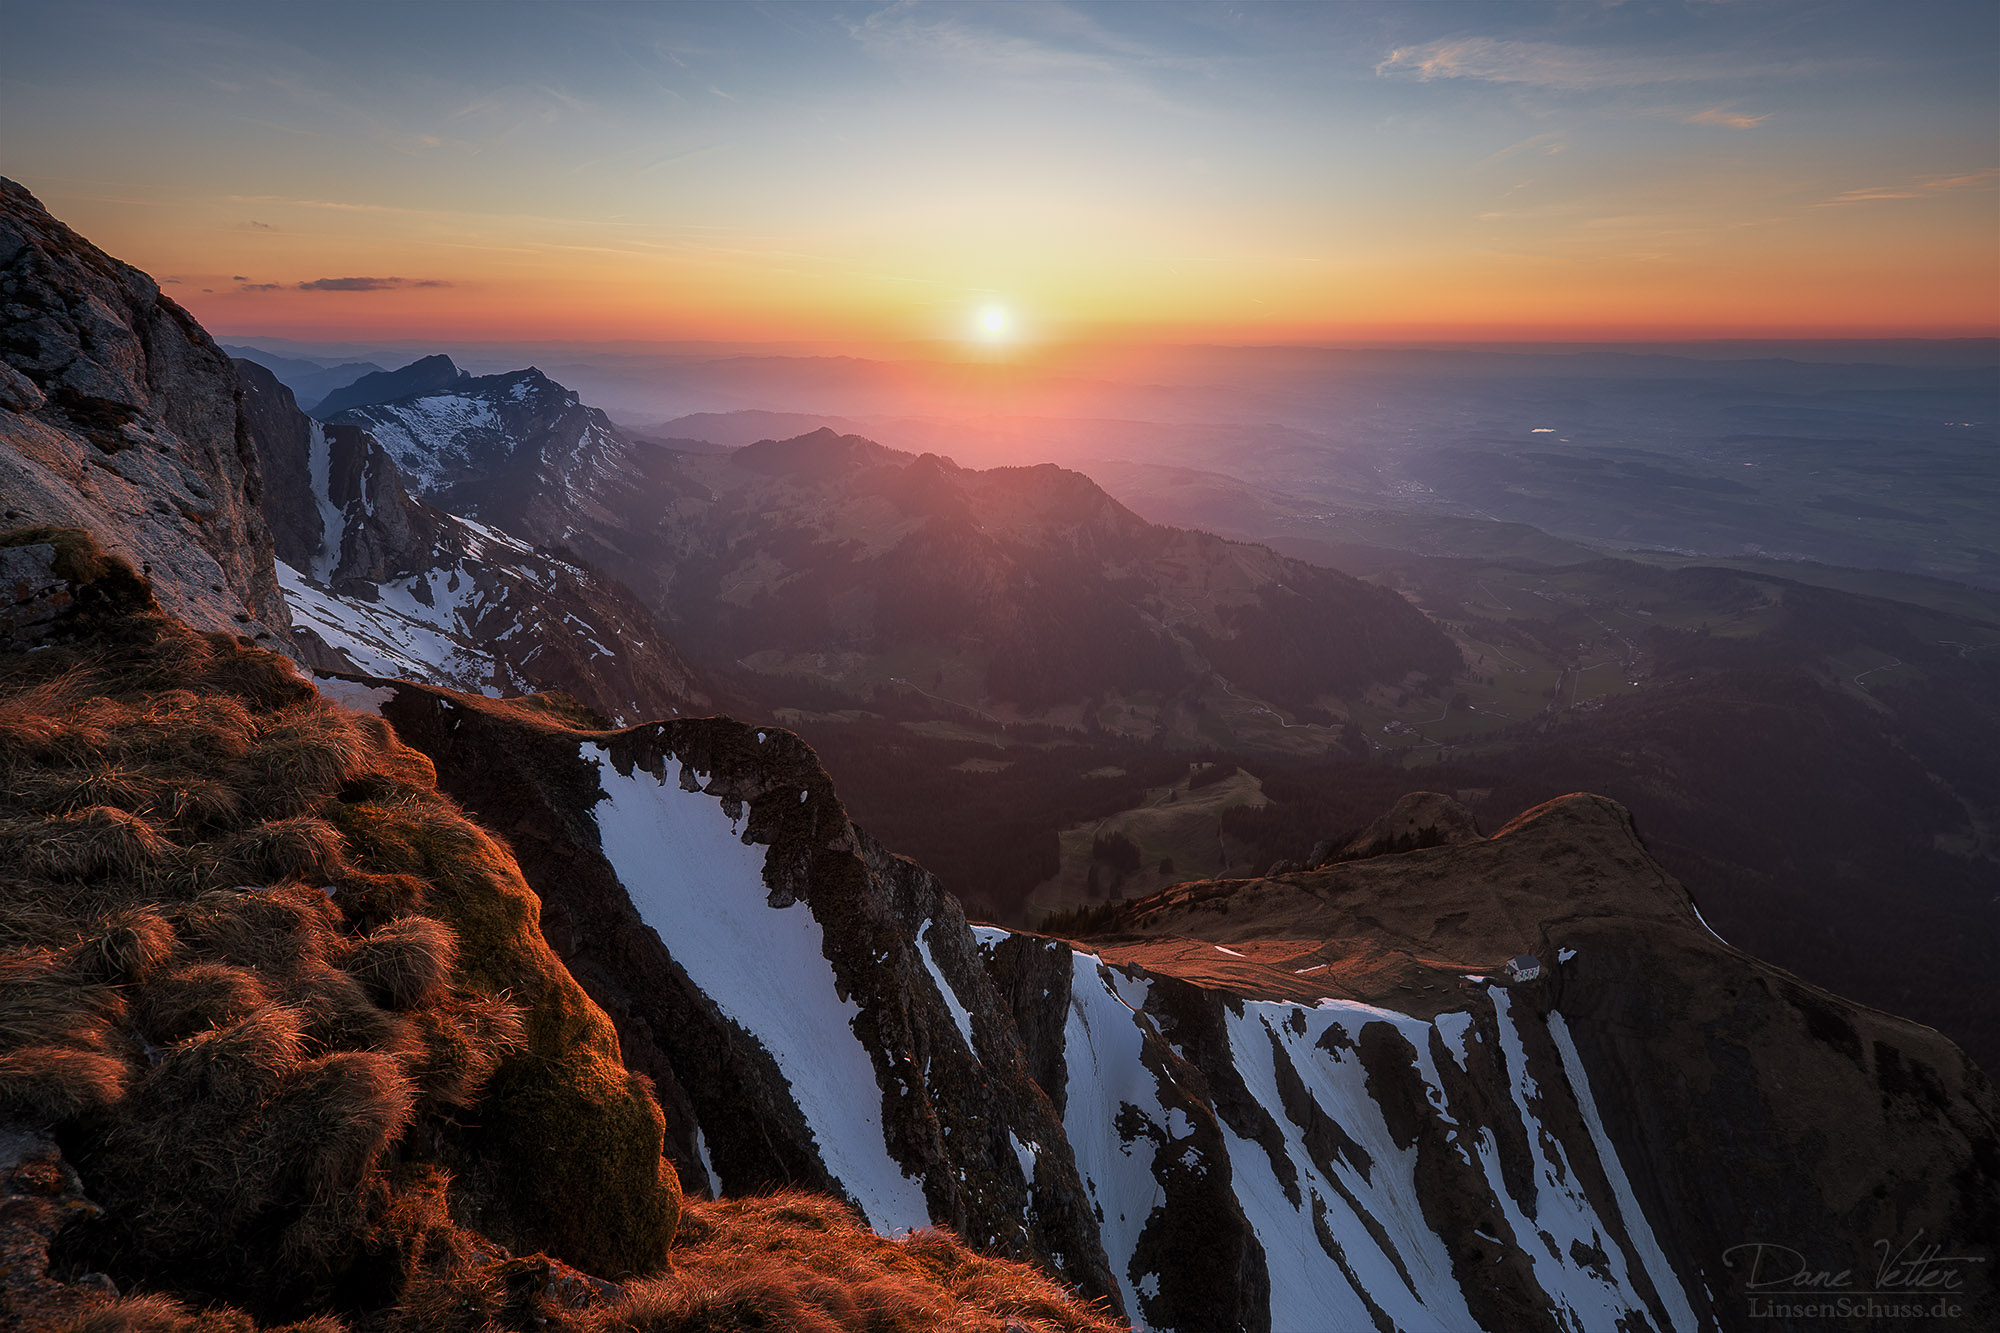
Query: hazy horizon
[{"x": 854, "y": 175}]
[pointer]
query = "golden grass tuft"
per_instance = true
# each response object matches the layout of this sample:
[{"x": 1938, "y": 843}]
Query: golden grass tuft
[
  {"x": 804, "y": 1262},
  {"x": 464, "y": 1039},
  {"x": 297, "y": 848},
  {"x": 45, "y": 1085},
  {"x": 55, "y": 1030},
  {"x": 275, "y": 931},
  {"x": 245, "y": 946},
  {"x": 127, "y": 947},
  {"x": 339, "y": 1015},
  {"x": 163, "y": 1314},
  {"x": 95, "y": 843},
  {"x": 407, "y": 963},
  {"x": 195, "y": 998},
  {"x": 337, "y": 1115}
]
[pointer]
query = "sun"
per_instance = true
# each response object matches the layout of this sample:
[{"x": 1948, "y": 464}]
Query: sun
[{"x": 993, "y": 323}]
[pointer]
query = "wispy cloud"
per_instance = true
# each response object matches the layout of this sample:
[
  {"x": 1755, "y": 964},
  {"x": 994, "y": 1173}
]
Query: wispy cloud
[
  {"x": 1563, "y": 68},
  {"x": 367, "y": 284},
  {"x": 1734, "y": 120},
  {"x": 1548, "y": 145},
  {"x": 1924, "y": 187},
  {"x": 1068, "y": 47}
]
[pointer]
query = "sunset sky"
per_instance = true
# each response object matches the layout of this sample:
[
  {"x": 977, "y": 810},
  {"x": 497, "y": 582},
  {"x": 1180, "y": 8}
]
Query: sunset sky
[{"x": 849, "y": 174}]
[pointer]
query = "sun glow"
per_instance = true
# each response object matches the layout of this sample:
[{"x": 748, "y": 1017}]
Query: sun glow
[{"x": 993, "y": 323}]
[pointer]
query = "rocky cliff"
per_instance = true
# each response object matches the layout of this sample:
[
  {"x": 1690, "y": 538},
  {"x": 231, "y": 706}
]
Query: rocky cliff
[
  {"x": 120, "y": 415},
  {"x": 1306, "y": 1102}
]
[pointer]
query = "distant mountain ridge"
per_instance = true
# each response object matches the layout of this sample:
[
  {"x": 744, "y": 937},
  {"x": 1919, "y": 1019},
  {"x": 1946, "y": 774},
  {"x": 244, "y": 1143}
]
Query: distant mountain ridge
[
  {"x": 309, "y": 381},
  {"x": 1023, "y": 587},
  {"x": 425, "y": 375}
]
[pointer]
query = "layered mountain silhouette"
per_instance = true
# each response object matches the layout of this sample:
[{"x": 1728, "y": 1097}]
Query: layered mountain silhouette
[
  {"x": 829, "y": 556},
  {"x": 309, "y": 381}
]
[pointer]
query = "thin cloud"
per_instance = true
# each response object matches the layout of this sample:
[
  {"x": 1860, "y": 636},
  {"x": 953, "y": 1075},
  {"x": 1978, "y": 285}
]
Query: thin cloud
[
  {"x": 260, "y": 286},
  {"x": 1563, "y": 68},
  {"x": 1546, "y": 144},
  {"x": 1066, "y": 48},
  {"x": 367, "y": 284},
  {"x": 254, "y": 225},
  {"x": 1925, "y": 187},
  {"x": 1728, "y": 119}
]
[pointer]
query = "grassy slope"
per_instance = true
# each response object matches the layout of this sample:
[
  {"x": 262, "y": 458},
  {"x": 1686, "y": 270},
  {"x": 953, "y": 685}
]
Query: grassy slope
[{"x": 289, "y": 1014}]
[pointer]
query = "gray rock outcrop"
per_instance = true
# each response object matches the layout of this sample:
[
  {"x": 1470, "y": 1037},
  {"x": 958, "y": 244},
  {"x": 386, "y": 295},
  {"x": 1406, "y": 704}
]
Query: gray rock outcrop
[{"x": 119, "y": 415}]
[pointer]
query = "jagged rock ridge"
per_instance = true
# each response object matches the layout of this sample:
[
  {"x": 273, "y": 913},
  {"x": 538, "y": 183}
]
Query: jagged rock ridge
[
  {"x": 384, "y": 583},
  {"x": 1339, "y": 1155}
]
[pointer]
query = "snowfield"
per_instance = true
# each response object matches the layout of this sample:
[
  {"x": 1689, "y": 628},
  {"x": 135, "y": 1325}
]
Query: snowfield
[{"x": 701, "y": 888}]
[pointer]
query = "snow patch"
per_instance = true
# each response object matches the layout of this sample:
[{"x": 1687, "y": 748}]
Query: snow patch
[
  {"x": 1025, "y": 1154},
  {"x": 332, "y": 523},
  {"x": 701, "y": 1152},
  {"x": 1104, "y": 1077},
  {"x": 701, "y": 888},
  {"x": 353, "y": 694},
  {"x": 950, "y": 997},
  {"x": 1455, "y": 1028},
  {"x": 1638, "y": 1231}
]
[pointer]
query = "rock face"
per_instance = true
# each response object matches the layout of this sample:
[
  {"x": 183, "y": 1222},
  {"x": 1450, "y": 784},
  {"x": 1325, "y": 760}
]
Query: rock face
[
  {"x": 384, "y": 583},
  {"x": 1253, "y": 1122},
  {"x": 119, "y": 415},
  {"x": 517, "y": 451}
]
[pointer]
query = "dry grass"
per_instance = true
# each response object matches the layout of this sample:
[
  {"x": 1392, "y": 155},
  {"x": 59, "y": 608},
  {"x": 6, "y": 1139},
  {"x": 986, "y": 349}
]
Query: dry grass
[
  {"x": 233, "y": 1013},
  {"x": 163, "y": 1314},
  {"x": 804, "y": 1262},
  {"x": 291, "y": 1017}
]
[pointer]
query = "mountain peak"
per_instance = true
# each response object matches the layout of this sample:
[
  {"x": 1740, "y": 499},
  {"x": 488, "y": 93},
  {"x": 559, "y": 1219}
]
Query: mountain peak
[{"x": 425, "y": 375}]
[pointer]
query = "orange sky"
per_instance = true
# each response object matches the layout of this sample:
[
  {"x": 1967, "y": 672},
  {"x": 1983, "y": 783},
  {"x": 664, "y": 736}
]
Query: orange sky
[{"x": 866, "y": 175}]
